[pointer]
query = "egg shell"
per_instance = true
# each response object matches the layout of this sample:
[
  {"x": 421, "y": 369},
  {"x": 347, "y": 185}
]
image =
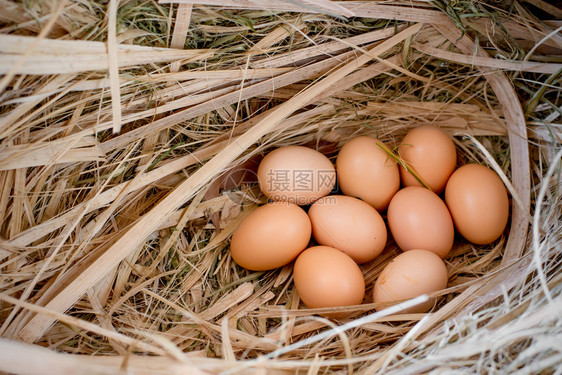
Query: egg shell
[
  {"x": 271, "y": 236},
  {"x": 419, "y": 219},
  {"x": 431, "y": 153},
  {"x": 478, "y": 201},
  {"x": 365, "y": 171},
  {"x": 296, "y": 174},
  {"x": 350, "y": 225},
  {"x": 327, "y": 277},
  {"x": 410, "y": 275}
]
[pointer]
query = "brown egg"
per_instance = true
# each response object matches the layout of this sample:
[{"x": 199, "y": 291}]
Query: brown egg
[
  {"x": 296, "y": 174},
  {"x": 478, "y": 202},
  {"x": 419, "y": 219},
  {"x": 271, "y": 236},
  {"x": 327, "y": 277},
  {"x": 410, "y": 275},
  {"x": 365, "y": 171},
  {"x": 350, "y": 225},
  {"x": 431, "y": 153}
]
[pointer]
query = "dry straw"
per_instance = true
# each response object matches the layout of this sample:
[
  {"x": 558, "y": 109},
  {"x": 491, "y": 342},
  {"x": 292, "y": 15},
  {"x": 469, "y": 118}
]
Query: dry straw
[{"x": 130, "y": 131}]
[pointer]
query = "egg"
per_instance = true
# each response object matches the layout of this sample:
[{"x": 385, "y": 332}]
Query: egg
[
  {"x": 327, "y": 277},
  {"x": 350, "y": 225},
  {"x": 478, "y": 202},
  {"x": 296, "y": 174},
  {"x": 431, "y": 153},
  {"x": 410, "y": 275},
  {"x": 271, "y": 236},
  {"x": 419, "y": 219},
  {"x": 365, "y": 171}
]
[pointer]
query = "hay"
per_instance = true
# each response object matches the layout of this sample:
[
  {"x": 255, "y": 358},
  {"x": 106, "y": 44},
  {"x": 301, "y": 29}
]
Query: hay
[{"x": 126, "y": 129}]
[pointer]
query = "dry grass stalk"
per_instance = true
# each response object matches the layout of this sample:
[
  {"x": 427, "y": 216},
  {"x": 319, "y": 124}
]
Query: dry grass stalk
[
  {"x": 121, "y": 240},
  {"x": 26, "y": 55},
  {"x": 112, "y": 61},
  {"x": 181, "y": 27}
]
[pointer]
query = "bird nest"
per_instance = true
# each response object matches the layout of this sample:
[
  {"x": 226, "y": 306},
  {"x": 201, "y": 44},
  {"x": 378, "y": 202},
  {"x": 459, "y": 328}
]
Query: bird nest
[{"x": 130, "y": 135}]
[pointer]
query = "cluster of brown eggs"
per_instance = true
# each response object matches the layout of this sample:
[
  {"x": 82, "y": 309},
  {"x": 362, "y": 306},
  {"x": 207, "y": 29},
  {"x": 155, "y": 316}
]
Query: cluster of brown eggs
[{"x": 349, "y": 228}]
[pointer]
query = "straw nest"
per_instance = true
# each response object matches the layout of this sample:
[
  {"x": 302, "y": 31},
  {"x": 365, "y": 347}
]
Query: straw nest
[{"x": 130, "y": 131}]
